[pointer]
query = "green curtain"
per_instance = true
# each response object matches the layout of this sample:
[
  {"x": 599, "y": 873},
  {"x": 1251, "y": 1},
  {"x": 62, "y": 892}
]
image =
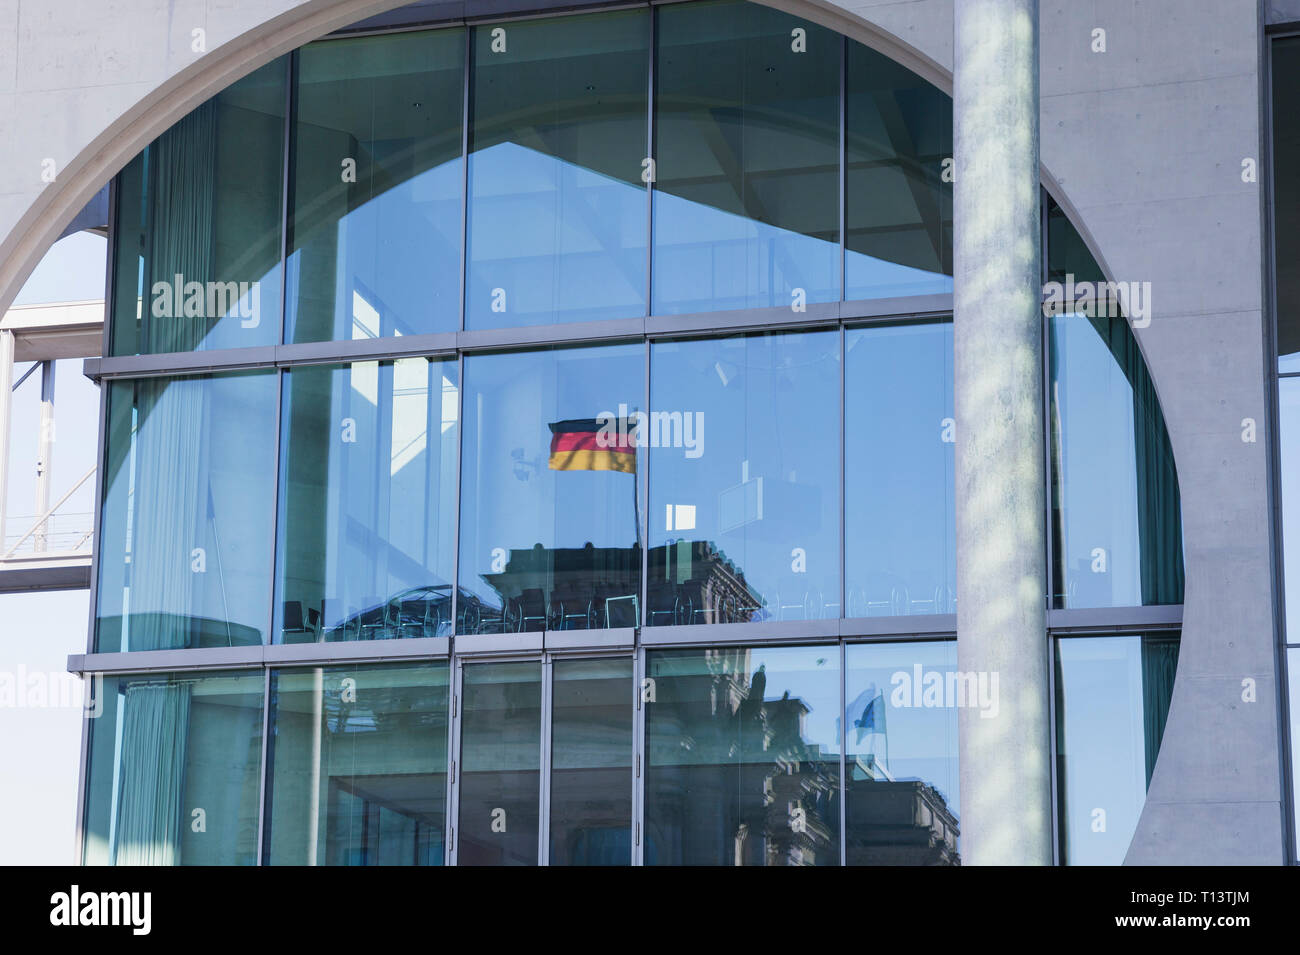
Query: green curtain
[
  {"x": 155, "y": 724},
  {"x": 181, "y": 224},
  {"x": 169, "y": 507},
  {"x": 1159, "y": 666}
]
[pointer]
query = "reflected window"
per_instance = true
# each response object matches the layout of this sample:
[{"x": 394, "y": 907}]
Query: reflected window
[
  {"x": 1112, "y": 701},
  {"x": 375, "y": 211},
  {"x": 900, "y": 525},
  {"x": 500, "y": 754},
  {"x": 901, "y": 751},
  {"x": 549, "y": 490},
  {"x": 591, "y": 762},
  {"x": 174, "y": 767},
  {"x": 557, "y": 205},
  {"x": 747, "y": 191},
  {"x": 1285, "y": 129},
  {"x": 357, "y": 774},
  {"x": 898, "y": 129},
  {"x": 744, "y": 501},
  {"x": 185, "y": 547},
  {"x": 197, "y": 237},
  {"x": 742, "y": 757},
  {"x": 1116, "y": 512},
  {"x": 368, "y": 501}
]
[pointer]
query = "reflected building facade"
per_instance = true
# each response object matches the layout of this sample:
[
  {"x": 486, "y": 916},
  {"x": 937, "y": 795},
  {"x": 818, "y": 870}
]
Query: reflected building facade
[{"x": 464, "y": 609}]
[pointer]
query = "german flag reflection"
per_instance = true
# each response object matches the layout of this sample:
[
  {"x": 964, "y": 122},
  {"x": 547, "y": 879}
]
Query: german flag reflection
[{"x": 593, "y": 444}]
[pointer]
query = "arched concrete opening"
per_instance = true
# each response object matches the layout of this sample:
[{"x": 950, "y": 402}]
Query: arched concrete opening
[{"x": 1204, "y": 778}]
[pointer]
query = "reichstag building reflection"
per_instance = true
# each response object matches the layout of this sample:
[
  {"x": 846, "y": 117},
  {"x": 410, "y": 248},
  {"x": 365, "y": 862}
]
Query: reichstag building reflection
[{"x": 574, "y": 444}]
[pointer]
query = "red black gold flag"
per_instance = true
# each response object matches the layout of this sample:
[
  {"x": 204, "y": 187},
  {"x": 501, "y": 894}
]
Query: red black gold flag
[{"x": 590, "y": 444}]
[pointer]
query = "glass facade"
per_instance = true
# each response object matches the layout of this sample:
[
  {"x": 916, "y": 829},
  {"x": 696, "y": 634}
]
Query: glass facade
[
  {"x": 357, "y": 770},
  {"x": 368, "y": 501},
  {"x": 1284, "y": 133},
  {"x": 184, "y": 554},
  {"x": 747, "y": 154},
  {"x": 742, "y": 756},
  {"x": 901, "y": 785},
  {"x": 745, "y": 482},
  {"x": 197, "y": 240},
  {"x": 585, "y": 384},
  {"x": 557, "y": 207},
  {"x": 1112, "y": 701},
  {"x": 1116, "y": 512},
  {"x": 375, "y": 212},
  {"x": 900, "y": 554},
  {"x": 550, "y": 536},
  {"x": 173, "y": 773}
]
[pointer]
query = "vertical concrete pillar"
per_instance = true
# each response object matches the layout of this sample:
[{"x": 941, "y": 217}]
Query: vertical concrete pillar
[{"x": 1005, "y": 748}]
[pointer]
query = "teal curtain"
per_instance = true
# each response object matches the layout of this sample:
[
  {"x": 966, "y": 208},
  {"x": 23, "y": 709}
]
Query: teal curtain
[
  {"x": 181, "y": 224},
  {"x": 169, "y": 508},
  {"x": 1159, "y": 666},
  {"x": 155, "y": 726}
]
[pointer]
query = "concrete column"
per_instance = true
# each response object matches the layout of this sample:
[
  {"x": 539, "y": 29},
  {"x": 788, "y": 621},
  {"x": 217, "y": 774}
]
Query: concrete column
[
  {"x": 1005, "y": 749},
  {"x": 6, "y": 404}
]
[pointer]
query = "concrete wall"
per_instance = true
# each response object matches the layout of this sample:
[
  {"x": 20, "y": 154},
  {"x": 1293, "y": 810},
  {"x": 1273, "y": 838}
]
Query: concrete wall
[{"x": 1142, "y": 145}]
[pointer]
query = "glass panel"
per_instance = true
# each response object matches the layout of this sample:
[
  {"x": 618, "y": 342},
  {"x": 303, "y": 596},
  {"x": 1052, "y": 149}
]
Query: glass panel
[
  {"x": 358, "y": 766},
  {"x": 173, "y": 774},
  {"x": 742, "y": 764},
  {"x": 368, "y": 503},
  {"x": 899, "y": 542},
  {"x": 747, "y": 192},
  {"x": 1288, "y": 444},
  {"x": 1112, "y": 700},
  {"x": 1116, "y": 514},
  {"x": 1293, "y": 682},
  {"x": 557, "y": 208},
  {"x": 745, "y": 527},
  {"x": 591, "y": 762},
  {"x": 500, "y": 786},
  {"x": 898, "y": 131},
  {"x": 901, "y": 747},
  {"x": 197, "y": 238},
  {"x": 550, "y": 500},
  {"x": 375, "y": 211},
  {"x": 1286, "y": 199},
  {"x": 185, "y": 534}
]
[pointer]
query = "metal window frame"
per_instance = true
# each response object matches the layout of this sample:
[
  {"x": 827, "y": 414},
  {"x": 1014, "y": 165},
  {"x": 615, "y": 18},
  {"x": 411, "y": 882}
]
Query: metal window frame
[
  {"x": 645, "y": 328},
  {"x": 1287, "y": 766}
]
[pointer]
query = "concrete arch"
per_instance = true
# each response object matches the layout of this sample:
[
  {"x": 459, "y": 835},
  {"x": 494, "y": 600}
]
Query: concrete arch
[{"x": 1156, "y": 199}]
